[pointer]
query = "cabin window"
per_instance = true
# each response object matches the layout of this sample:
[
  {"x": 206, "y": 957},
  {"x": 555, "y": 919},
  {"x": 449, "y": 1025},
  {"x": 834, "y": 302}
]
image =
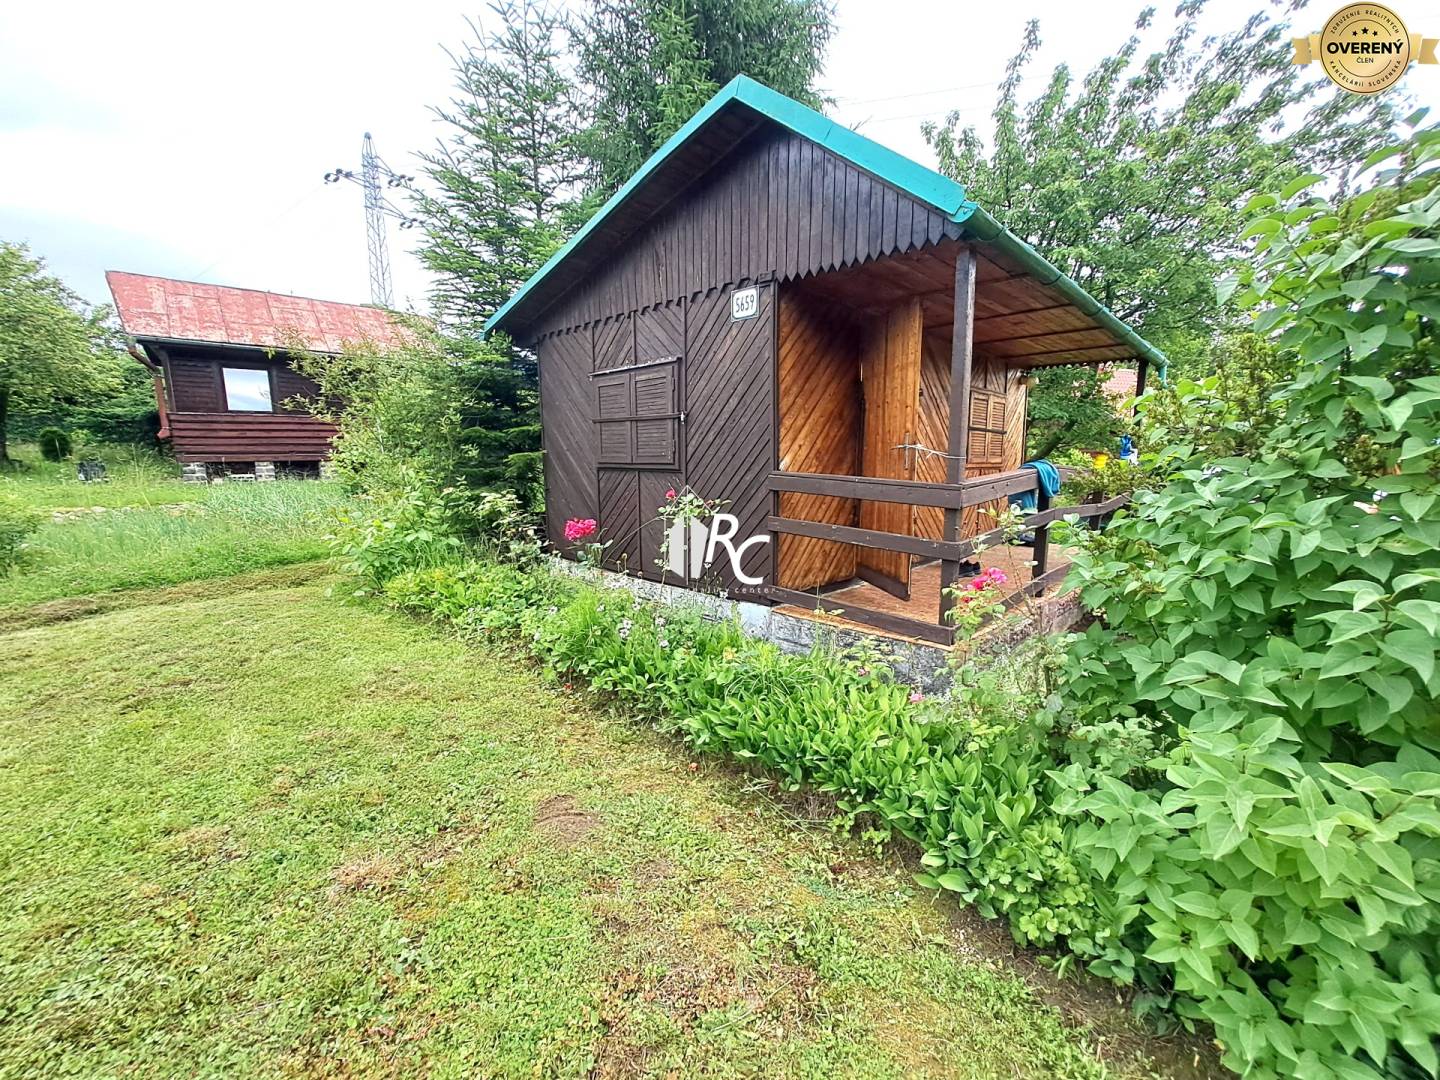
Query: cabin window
[
  {"x": 247, "y": 390},
  {"x": 636, "y": 414}
]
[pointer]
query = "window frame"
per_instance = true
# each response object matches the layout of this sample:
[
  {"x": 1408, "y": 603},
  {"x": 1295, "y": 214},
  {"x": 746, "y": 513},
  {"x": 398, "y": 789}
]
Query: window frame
[{"x": 262, "y": 369}]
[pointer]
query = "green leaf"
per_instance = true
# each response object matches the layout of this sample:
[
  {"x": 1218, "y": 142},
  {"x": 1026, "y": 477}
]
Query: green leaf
[
  {"x": 1414, "y": 649},
  {"x": 1299, "y": 184},
  {"x": 1379, "y": 389}
]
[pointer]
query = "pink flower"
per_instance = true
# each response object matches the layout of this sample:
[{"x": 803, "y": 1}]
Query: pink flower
[
  {"x": 670, "y": 494},
  {"x": 579, "y": 529},
  {"x": 916, "y": 697}
]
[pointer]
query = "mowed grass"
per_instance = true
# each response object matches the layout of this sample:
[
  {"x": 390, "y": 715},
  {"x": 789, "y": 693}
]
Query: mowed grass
[
  {"x": 221, "y": 529},
  {"x": 269, "y": 834}
]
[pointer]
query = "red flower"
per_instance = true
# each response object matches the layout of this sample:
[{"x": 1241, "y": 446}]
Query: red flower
[
  {"x": 670, "y": 494},
  {"x": 579, "y": 529}
]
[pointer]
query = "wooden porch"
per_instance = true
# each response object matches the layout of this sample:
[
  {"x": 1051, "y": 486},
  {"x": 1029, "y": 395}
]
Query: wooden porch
[
  {"x": 902, "y": 402},
  {"x": 922, "y": 610}
]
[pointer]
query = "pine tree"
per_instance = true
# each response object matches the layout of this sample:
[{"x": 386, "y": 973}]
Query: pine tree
[
  {"x": 507, "y": 179},
  {"x": 652, "y": 63}
]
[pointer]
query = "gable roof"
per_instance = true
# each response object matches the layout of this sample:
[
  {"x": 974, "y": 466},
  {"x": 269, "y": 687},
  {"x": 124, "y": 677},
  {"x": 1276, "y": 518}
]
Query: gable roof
[
  {"x": 174, "y": 310},
  {"x": 744, "y": 95}
]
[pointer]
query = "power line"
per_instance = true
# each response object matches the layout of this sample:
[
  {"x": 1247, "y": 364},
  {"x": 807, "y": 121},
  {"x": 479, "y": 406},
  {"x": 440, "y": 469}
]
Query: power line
[{"x": 373, "y": 171}]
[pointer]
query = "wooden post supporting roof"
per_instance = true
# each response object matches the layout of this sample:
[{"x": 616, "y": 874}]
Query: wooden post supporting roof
[{"x": 962, "y": 348}]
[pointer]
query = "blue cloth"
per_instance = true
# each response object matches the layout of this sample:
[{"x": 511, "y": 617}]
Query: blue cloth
[{"x": 1049, "y": 478}]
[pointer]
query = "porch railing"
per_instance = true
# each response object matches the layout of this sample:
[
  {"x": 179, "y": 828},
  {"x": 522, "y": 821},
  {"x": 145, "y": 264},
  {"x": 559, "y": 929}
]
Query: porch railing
[{"x": 951, "y": 553}]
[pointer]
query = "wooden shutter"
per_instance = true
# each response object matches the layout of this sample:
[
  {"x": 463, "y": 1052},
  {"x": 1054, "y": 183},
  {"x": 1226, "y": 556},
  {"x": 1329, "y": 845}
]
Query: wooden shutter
[
  {"x": 986, "y": 445},
  {"x": 637, "y": 416}
]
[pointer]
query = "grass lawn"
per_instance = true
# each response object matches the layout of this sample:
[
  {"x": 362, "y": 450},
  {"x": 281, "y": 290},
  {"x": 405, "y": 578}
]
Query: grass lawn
[
  {"x": 147, "y": 540},
  {"x": 267, "y": 833},
  {"x": 134, "y": 477}
]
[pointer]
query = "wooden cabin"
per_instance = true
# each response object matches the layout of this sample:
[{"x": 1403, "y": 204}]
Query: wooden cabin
[
  {"x": 223, "y": 378},
  {"x": 827, "y": 337}
]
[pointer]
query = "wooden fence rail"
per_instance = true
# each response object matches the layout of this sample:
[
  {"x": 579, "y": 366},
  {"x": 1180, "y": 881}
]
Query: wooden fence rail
[{"x": 951, "y": 553}]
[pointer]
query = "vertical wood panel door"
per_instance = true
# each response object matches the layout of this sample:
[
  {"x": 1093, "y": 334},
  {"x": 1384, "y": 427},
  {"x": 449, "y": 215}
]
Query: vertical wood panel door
[
  {"x": 730, "y": 417},
  {"x": 636, "y": 401},
  {"x": 890, "y": 381}
]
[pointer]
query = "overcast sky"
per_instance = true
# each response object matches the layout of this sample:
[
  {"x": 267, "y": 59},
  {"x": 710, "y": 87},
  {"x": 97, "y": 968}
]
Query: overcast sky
[{"x": 190, "y": 140}]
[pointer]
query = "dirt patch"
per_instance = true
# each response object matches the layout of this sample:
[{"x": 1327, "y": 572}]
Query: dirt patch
[
  {"x": 560, "y": 818},
  {"x": 370, "y": 874},
  {"x": 206, "y": 843}
]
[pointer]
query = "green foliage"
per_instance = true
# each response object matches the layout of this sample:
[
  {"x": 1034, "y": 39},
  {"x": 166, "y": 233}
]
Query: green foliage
[
  {"x": 1133, "y": 180},
  {"x": 1068, "y": 408},
  {"x": 385, "y": 536},
  {"x": 53, "y": 348},
  {"x": 507, "y": 176},
  {"x": 1270, "y": 631},
  {"x": 1226, "y": 413},
  {"x": 122, "y": 413},
  {"x": 95, "y": 538},
  {"x": 652, "y": 63},
  {"x": 439, "y": 409},
  {"x": 18, "y": 523},
  {"x": 54, "y": 443},
  {"x": 1102, "y": 477}
]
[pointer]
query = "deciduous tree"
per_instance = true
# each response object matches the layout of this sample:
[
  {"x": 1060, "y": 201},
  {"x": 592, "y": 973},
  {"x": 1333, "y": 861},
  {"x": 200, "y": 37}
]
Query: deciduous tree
[
  {"x": 1134, "y": 179},
  {"x": 53, "y": 346}
]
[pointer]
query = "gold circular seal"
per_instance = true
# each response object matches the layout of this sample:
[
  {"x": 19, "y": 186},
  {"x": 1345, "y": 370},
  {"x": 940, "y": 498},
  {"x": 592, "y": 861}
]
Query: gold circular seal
[{"x": 1364, "y": 48}]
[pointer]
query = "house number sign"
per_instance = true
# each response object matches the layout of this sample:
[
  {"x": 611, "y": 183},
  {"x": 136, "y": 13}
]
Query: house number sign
[{"x": 745, "y": 303}]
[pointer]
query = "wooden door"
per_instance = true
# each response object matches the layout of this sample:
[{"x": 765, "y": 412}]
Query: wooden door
[
  {"x": 890, "y": 385},
  {"x": 637, "y": 401}
]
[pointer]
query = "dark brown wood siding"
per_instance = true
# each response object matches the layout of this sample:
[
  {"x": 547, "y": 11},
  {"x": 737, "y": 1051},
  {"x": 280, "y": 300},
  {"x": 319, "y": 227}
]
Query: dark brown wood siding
[
  {"x": 778, "y": 205},
  {"x": 730, "y": 424},
  {"x": 567, "y": 433},
  {"x": 227, "y": 436},
  {"x": 202, "y": 428}
]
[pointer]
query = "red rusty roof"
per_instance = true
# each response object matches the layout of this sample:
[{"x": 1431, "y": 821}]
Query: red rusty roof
[
  {"x": 1122, "y": 383},
  {"x": 157, "y": 307}
]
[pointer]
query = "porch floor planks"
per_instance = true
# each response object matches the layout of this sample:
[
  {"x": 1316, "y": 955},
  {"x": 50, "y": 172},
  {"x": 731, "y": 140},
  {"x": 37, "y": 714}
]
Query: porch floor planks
[{"x": 924, "y": 602}]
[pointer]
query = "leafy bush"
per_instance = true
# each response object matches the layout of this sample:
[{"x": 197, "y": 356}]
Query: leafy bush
[
  {"x": 54, "y": 443},
  {"x": 17, "y": 523},
  {"x": 385, "y": 537},
  {"x": 1228, "y": 412},
  {"x": 440, "y": 409},
  {"x": 1271, "y": 839},
  {"x": 1101, "y": 477}
]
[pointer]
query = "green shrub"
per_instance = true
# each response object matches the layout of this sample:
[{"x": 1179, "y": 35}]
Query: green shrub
[
  {"x": 17, "y": 523},
  {"x": 1268, "y": 653},
  {"x": 385, "y": 537},
  {"x": 54, "y": 443}
]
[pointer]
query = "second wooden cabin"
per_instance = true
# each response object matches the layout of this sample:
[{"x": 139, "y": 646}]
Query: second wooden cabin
[{"x": 822, "y": 334}]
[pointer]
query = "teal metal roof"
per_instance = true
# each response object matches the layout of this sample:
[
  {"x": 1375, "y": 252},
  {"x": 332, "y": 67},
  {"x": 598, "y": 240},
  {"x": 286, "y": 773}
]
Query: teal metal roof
[{"x": 926, "y": 185}]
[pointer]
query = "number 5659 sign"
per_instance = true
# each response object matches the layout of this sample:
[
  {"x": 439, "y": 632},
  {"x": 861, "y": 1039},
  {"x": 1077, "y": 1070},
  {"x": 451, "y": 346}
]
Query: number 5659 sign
[{"x": 745, "y": 303}]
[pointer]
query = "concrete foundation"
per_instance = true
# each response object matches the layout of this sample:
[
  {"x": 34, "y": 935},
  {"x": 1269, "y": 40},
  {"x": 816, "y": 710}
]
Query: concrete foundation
[
  {"x": 194, "y": 472},
  {"x": 264, "y": 470}
]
